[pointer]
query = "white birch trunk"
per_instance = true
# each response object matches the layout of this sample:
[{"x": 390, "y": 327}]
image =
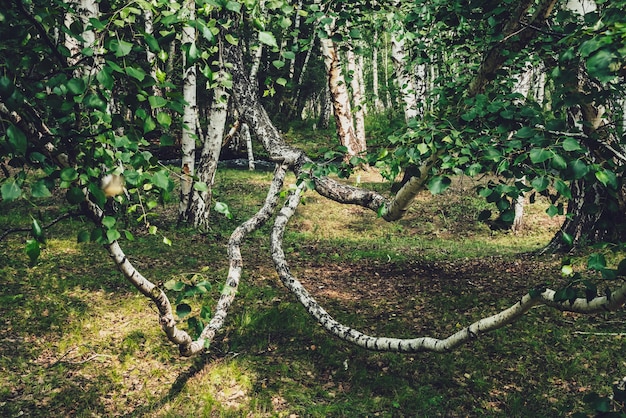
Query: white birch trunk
[
  {"x": 525, "y": 83},
  {"x": 404, "y": 81},
  {"x": 258, "y": 50},
  {"x": 85, "y": 9},
  {"x": 151, "y": 56},
  {"x": 378, "y": 104},
  {"x": 357, "y": 101},
  {"x": 245, "y": 131},
  {"x": 340, "y": 99},
  {"x": 386, "y": 72},
  {"x": 361, "y": 81},
  {"x": 190, "y": 116},
  {"x": 294, "y": 40},
  {"x": 200, "y": 205}
]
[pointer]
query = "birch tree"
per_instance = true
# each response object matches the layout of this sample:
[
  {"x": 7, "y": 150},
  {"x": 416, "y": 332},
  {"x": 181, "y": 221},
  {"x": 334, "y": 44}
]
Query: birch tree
[
  {"x": 28, "y": 131},
  {"x": 190, "y": 111}
]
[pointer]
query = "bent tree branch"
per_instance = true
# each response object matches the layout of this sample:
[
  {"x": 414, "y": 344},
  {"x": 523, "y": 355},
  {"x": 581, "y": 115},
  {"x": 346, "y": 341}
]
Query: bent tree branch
[
  {"x": 472, "y": 331},
  {"x": 256, "y": 117},
  {"x": 187, "y": 346}
]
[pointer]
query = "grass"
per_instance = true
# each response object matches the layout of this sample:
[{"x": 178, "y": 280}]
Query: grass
[{"x": 77, "y": 340}]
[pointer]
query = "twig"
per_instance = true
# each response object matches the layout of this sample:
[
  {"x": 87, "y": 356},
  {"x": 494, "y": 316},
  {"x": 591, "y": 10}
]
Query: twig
[
  {"x": 60, "y": 218},
  {"x": 608, "y": 334},
  {"x": 87, "y": 359}
]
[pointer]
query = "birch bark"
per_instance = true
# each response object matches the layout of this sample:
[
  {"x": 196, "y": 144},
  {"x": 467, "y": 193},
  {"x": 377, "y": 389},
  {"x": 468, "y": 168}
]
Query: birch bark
[
  {"x": 340, "y": 99},
  {"x": 190, "y": 117}
]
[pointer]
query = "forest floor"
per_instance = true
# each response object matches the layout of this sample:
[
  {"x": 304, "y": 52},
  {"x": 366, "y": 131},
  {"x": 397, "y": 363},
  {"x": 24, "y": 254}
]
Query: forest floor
[{"x": 77, "y": 340}]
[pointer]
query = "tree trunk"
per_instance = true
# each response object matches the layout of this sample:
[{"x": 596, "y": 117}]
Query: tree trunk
[
  {"x": 357, "y": 100},
  {"x": 200, "y": 204},
  {"x": 378, "y": 104},
  {"x": 151, "y": 56},
  {"x": 406, "y": 87},
  {"x": 190, "y": 116},
  {"x": 325, "y": 107},
  {"x": 595, "y": 214},
  {"x": 340, "y": 99}
]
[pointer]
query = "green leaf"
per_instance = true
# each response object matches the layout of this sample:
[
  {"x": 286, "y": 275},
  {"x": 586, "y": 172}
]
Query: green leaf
[
  {"x": 596, "y": 262},
  {"x": 278, "y": 64},
  {"x": 113, "y": 235},
  {"x": 205, "y": 313},
  {"x": 157, "y": 101},
  {"x": 540, "y": 183},
  {"x": 579, "y": 169},
  {"x": 439, "y": 184},
  {"x": 567, "y": 238},
  {"x": 221, "y": 207},
  {"x": 37, "y": 231},
  {"x": 233, "y": 6},
  {"x": 174, "y": 285},
  {"x": 525, "y": 132},
  {"x": 39, "y": 189},
  {"x": 152, "y": 42},
  {"x": 33, "y": 250},
  {"x": 558, "y": 162},
  {"x": 183, "y": 310},
  {"x": 621, "y": 267},
  {"x": 122, "y": 48},
  {"x": 109, "y": 221},
  {"x": 600, "y": 65},
  {"x": 200, "y": 186},
  {"x": 571, "y": 144},
  {"x": 563, "y": 189},
  {"x": 567, "y": 270},
  {"x": 167, "y": 241},
  {"x": 10, "y": 191},
  {"x": 149, "y": 125},
  {"x": 162, "y": 180},
  {"x": 204, "y": 286},
  {"x": 136, "y": 73},
  {"x": 17, "y": 139},
  {"x": 93, "y": 101},
  {"x": 75, "y": 195},
  {"x": 552, "y": 211},
  {"x": 69, "y": 174},
  {"x": 607, "y": 178},
  {"x": 164, "y": 119},
  {"x": 231, "y": 39},
  {"x": 281, "y": 81},
  {"x": 268, "y": 38},
  {"x": 6, "y": 86},
  {"x": 540, "y": 155},
  {"x": 289, "y": 55},
  {"x": 76, "y": 86},
  {"x": 83, "y": 236}
]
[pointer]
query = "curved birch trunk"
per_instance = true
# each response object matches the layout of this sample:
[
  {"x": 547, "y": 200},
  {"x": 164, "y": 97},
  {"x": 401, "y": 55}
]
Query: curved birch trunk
[{"x": 410, "y": 345}]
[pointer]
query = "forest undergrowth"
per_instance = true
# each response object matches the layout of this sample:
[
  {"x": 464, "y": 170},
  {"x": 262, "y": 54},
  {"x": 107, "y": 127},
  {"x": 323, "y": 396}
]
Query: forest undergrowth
[{"x": 77, "y": 340}]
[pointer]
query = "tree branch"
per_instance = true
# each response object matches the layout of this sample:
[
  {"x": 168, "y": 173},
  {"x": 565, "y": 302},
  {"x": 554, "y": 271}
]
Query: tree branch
[
  {"x": 494, "y": 59},
  {"x": 236, "y": 262},
  {"x": 145, "y": 286},
  {"x": 54, "y": 222},
  {"x": 470, "y": 332}
]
